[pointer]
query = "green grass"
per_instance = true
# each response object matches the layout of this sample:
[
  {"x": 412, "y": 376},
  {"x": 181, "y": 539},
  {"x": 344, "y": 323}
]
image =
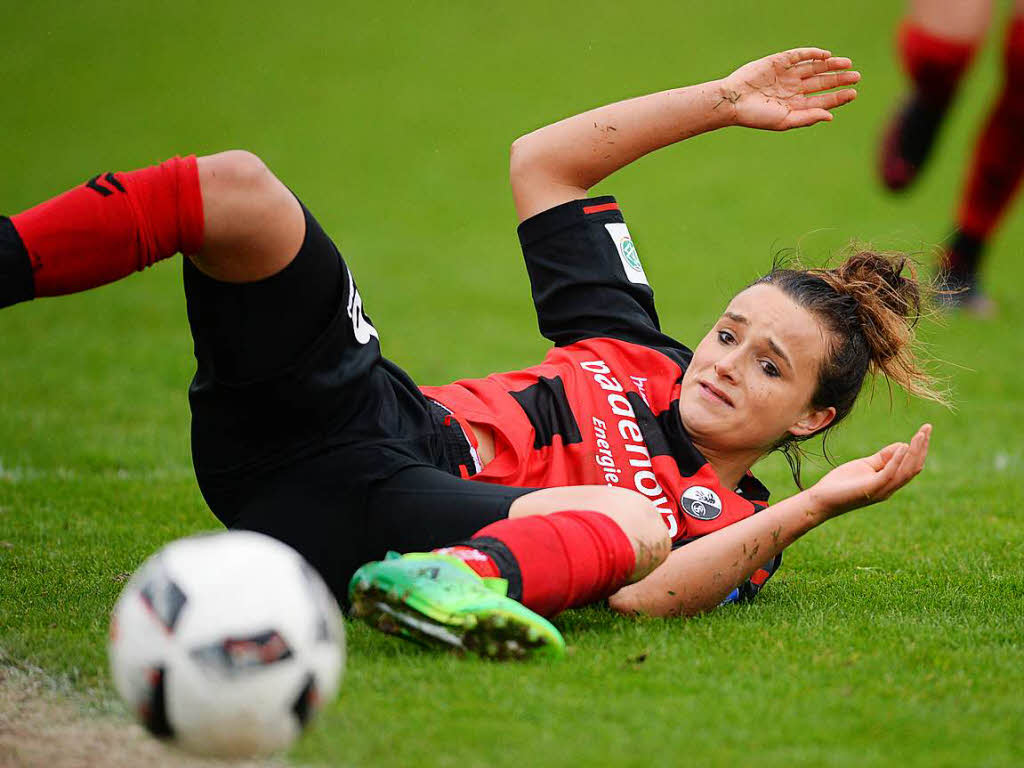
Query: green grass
[{"x": 890, "y": 636}]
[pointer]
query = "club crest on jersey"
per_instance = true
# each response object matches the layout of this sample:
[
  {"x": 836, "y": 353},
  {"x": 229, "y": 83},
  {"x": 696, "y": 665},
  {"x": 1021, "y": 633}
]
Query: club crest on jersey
[
  {"x": 627, "y": 252},
  {"x": 701, "y": 503}
]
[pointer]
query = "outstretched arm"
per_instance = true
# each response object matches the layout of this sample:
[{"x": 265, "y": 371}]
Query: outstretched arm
[
  {"x": 560, "y": 162},
  {"x": 697, "y": 577}
]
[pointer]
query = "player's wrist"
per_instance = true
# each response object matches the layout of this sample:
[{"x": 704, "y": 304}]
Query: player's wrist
[
  {"x": 724, "y": 100},
  {"x": 817, "y": 508}
]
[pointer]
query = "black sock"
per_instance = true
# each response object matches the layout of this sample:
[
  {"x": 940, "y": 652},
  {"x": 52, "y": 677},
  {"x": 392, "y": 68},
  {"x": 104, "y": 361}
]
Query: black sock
[
  {"x": 921, "y": 123},
  {"x": 16, "y": 282},
  {"x": 963, "y": 258}
]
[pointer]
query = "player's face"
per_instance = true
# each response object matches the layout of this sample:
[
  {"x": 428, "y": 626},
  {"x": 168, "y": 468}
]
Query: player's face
[{"x": 753, "y": 375}]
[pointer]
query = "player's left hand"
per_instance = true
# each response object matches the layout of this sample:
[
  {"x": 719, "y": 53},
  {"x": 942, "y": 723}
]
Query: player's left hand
[
  {"x": 872, "y": 479},
  {"x": 787, "y": 90}
]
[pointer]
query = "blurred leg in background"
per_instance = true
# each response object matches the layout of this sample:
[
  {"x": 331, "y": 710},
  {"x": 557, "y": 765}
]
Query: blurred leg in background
[
  {"x": 936, "y": 40},
  {"x": 992, "y": 180}
]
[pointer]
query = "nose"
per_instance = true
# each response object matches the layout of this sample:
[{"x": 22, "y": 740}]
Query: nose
[{"x": 725, "y": 367}]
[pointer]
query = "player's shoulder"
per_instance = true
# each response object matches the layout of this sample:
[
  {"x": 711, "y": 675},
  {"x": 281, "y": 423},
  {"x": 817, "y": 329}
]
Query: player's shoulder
[{"x": 640, "y": 351}]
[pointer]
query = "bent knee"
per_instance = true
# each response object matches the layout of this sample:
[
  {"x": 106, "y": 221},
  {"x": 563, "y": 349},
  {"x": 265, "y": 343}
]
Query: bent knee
[
  {"x": 238, "y": 184},
  {"x": 234, "y": 168},
  {"x": 253, "y": 224},
  {"x": 638, "y": 518},
  {"x": 642, "y": 522}
]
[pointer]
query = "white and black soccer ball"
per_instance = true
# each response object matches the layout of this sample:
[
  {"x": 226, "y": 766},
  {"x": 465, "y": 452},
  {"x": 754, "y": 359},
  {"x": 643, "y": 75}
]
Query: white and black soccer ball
[{"x": 226, "y": 644}]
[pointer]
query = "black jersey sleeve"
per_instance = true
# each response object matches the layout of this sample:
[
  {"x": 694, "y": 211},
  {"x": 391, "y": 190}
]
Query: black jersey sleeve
[{"x": 586, "y": 277}]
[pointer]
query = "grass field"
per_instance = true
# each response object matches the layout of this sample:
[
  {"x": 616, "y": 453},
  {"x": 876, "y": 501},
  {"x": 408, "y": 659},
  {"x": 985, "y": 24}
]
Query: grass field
[{"x": 890, "y": 636}]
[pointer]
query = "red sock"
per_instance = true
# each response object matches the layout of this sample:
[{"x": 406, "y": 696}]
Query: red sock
[
  {"x": 934, "y": 63},
  {"x": 113, "y": 225},
  {"x": 998, "y": 161},
  {"x": 553, "y": 562}
]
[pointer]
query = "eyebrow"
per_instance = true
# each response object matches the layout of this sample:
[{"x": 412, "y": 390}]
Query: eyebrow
[{"x": 736, "y": 318}]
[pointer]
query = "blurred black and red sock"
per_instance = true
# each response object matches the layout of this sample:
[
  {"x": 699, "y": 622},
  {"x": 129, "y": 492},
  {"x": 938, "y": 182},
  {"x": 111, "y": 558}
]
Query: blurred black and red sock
[
  {"x": 998, "y": 161},
  {"x": 935, "y": 66}
]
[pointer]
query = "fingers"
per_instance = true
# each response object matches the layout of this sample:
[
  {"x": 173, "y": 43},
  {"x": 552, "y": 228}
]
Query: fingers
[
  {"x": 927, "y": 430},
  {"x": 891, "y": 470},
  {"x": 830, "y": 100},
  {"x": 796, "y": 55},
  {"x": 801, "y": 118},
  {"x": 911, "y": 462},
  {"x": 880, "y": 459},
  {"x": 819, "y": 66},
  {"x": 829, "y": 80},
  {"x": 914, "y": 461},
  {"x": 815, "y": 109}
]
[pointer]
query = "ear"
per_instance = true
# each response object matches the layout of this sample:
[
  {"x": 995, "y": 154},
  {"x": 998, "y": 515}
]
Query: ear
[{"x": 813, "y": 421}]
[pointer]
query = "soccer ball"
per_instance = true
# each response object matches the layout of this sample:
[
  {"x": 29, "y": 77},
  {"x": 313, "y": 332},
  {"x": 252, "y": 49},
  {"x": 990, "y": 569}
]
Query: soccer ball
[{"x": 226, "y": 644}]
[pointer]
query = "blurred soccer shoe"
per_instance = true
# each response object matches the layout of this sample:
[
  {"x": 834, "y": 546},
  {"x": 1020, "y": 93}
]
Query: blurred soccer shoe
[
  {"x": 957, "y": 292},
  {"x": 440, "y": 601},
  {"x": 957, "y": 286}
]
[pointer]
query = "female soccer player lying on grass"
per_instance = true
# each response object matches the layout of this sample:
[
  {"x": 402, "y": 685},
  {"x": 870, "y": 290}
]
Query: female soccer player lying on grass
[{"x": 577, "y": 480}]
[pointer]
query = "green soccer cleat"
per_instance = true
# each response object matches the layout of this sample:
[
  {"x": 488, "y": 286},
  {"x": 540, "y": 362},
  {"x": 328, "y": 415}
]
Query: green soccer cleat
[{"x": 438, "y": 600}]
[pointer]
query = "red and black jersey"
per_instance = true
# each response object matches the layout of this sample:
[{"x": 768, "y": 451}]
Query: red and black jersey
[{"x": 602, "y": 408}]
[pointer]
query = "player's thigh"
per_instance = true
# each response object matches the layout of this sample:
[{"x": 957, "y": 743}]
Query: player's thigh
[
  {"x": 279, "y": 362},
  {"x": 965, "y": 20},
  {"x": 311, "y": 505},
  {"x": 251, "y": 331},
  {"x": 422, "y": 508}
]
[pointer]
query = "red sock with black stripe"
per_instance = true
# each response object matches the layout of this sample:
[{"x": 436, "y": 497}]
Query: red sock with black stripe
[
  {"x": 553, "y": 562},
  {"x": 101, "y": 231}
]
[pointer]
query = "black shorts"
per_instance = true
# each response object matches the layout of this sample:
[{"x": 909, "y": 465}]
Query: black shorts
[{"x": 303, "y": 431}]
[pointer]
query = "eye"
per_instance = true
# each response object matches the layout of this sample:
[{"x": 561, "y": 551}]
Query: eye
[
  {"x": 725, "y": 337},
  {"x": 769, "y": 369}
]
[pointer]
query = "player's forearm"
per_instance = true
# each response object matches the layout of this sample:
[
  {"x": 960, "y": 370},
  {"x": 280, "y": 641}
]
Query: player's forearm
[
  {"x": 697, "y": 577},
  {"x": 582, "y": 150}
]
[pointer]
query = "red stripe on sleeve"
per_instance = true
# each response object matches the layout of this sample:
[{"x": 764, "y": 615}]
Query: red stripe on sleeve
[{"x": 599, "y": 208}]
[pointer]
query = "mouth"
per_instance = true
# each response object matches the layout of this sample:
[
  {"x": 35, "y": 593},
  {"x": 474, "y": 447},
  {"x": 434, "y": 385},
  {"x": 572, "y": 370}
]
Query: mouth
[{"x": 714, "y": 393}]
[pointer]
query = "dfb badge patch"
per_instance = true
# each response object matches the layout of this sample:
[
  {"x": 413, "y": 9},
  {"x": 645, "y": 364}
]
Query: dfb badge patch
[
  {"x": 627, "y": 253},
  {"x": 701, "y": 503}
]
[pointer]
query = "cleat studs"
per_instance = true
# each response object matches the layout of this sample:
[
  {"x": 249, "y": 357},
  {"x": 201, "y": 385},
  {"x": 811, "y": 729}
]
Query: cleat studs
[
  {"x": 513, "y": 650},
  {"x": 386, "y": 624}
]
